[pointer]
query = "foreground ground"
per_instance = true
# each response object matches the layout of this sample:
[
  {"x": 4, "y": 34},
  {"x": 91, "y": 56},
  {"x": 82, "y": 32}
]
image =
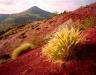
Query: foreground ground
[{"x": 32, "y": 63}]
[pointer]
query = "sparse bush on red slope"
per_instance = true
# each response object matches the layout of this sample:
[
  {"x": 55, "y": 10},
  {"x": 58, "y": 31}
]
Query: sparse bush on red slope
[
  {"x": 89, "y": 22},
  {"x": 20, "y": 49},
  {"x": 32, "y": 64},
  {"x": 61, "y": 46}
]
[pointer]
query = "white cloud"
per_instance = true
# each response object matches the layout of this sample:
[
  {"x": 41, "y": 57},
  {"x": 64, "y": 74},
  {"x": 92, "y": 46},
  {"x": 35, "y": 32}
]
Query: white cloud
[
  {"x": 61, "y": 5},
  {"x": 6, "y": 2},
  {"x": 15, "y": 6}
]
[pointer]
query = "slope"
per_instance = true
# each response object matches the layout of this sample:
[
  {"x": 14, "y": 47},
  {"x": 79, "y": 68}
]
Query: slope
[{"x": 32, "y": 62}]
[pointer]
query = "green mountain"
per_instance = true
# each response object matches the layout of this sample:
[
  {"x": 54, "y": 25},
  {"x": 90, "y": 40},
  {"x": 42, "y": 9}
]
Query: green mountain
[{"x": 11, "y": 20}]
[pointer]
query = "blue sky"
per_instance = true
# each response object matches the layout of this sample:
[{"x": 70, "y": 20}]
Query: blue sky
[{"x": 16, "y": 6}]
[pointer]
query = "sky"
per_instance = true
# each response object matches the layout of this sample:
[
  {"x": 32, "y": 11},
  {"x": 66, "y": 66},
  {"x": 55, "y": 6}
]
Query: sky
[{"x": 16, "y": 6}]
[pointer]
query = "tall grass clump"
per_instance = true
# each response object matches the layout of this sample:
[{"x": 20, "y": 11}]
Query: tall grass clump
[
  {"x": 61, "y": 46},
  {"x": 22, "y": 48}
]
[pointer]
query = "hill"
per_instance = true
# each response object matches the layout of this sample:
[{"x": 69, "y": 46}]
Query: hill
[
  {"x": 38, "y": 33},
  {"x": 33, "y": 14}
]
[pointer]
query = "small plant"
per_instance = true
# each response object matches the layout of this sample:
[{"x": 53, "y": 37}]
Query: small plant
[
  {"x": 4, "y": 58},
  {"x": 89, "y": 22},
  {"x": 20, "y": 49},
  {"x": 2, "y": 61},
  {"x": 65, "y": 12},
  {"x": 9, "y": 32},
  {"x": 61, "y": 46}
]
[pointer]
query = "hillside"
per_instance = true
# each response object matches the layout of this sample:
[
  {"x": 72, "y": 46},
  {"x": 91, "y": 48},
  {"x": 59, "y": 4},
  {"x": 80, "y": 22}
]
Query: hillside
[
  {"x": 32, "y": 14},
  {"x": 38, "y": 33}
]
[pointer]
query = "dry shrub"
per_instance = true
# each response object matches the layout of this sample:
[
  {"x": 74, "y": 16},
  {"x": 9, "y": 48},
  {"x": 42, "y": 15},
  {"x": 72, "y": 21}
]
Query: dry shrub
[
  {"x": 22, "y": 48},
  {"x": 61, "y": 46}
]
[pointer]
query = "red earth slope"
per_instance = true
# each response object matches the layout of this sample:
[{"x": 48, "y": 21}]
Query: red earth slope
[
  {"x": 39, "y": 30},
  {"x": 32, "y": 63}
]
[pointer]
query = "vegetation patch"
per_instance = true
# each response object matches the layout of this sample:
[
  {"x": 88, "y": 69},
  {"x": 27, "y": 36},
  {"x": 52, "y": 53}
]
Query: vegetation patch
[
  {"x": 89, "y": 22},
  {"x": 62, "y": 44},
  {"x": 22, "y": 48},
  {"x": 22, "y": 35},
  {"x": 2, "y": 61},
  {"x": 4, "y": 58}
]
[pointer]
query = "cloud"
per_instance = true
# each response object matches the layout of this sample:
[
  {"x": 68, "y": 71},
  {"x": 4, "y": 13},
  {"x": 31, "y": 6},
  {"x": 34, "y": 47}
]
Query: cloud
[
  {"x": 69, "y": 5},
  {"x": 4, "y": 2},
  {"x": 15, "y": 6},
  {"x": 60, "y": 5}
]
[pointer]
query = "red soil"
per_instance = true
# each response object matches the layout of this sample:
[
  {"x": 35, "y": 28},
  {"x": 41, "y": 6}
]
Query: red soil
[
  {"x": 10, "y": 43},
  {"x": 32, "y": 63}
]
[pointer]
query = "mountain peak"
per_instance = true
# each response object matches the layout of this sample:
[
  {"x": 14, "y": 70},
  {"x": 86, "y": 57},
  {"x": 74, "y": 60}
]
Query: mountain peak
[
  {"x": 37, "y": 10},
  {"x": 35, "y": 7}
]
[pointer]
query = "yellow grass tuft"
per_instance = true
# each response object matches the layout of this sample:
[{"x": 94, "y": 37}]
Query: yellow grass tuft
[
  {"x": 2, "y": 61},
  {"x": 20, "y": 49},
  {"x": 62, "y": 44}
]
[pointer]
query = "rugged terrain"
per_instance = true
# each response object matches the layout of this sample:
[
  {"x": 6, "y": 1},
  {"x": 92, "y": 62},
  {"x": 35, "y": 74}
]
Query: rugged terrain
[{"x": 37, "y": 33}]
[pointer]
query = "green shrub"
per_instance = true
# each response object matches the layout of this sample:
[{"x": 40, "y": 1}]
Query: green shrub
[
  {"x": 89, "y": 22},
  {"x": 20, "y": 49},
  {"x": 61, "y": 46}
]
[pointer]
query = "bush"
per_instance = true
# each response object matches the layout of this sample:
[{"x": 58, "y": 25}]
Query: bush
[
  {"x": 4, "y": 58},
  {"x": 61, "y": 46},
  {"x": 20, "y": 49},
  {"x": 2, "y": 61},
  {"x": 89, "y": 22}
]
